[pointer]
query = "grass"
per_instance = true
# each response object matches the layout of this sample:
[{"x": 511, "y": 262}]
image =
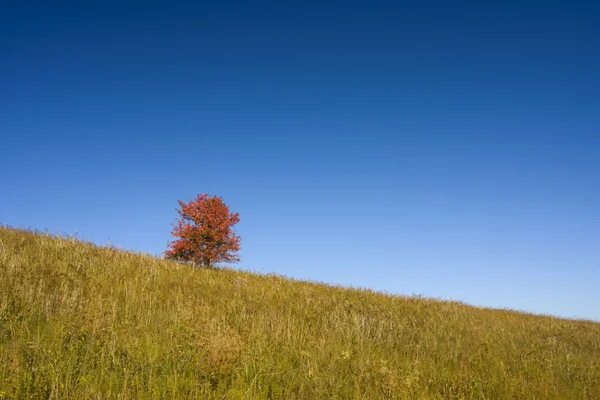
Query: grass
[{"x": 79, "y": 321}]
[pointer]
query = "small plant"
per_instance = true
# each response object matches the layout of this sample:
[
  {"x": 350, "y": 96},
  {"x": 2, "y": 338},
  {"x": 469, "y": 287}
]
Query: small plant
[{"x": 204, "y": 232}]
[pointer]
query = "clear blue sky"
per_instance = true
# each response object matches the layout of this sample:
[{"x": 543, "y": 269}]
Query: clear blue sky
[{"x": 445, "y": 149}]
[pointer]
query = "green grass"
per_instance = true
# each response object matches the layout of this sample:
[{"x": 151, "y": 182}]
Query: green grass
[{"x": 83, "y": 322}]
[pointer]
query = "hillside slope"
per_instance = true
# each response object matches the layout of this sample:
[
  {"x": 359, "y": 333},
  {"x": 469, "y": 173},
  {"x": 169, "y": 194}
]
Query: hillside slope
[{"x": 79, "y": 321}]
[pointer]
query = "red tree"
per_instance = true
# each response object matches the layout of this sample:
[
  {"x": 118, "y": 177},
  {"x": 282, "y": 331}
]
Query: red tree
[{"x": 204, "y": 232}]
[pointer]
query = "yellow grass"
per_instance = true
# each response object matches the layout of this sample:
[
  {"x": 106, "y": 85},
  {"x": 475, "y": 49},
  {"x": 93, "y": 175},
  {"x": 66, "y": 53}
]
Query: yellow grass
[{"x": 83, "y": 322}]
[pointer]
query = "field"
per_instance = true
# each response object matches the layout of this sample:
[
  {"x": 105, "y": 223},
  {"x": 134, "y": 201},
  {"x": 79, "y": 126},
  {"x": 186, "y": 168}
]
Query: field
[{"x": 79, "y": 321}]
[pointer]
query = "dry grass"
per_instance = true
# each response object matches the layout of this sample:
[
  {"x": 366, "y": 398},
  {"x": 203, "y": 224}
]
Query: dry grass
[{"x": 79, "y": 321}]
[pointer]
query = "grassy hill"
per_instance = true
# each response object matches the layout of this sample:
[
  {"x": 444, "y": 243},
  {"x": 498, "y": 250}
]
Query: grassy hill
[{"x": 80, "y": 321}]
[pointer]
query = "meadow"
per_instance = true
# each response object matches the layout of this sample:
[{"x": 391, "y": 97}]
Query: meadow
[{"x": 79, "y": 321}]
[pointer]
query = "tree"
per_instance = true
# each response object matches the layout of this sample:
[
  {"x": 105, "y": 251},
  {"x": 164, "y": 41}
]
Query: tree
[{"x": 204, "y": 232}]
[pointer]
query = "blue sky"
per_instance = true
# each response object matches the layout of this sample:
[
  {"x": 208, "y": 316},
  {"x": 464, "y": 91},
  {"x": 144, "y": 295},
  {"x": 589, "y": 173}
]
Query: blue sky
[{"x": 446, "y": 149}]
